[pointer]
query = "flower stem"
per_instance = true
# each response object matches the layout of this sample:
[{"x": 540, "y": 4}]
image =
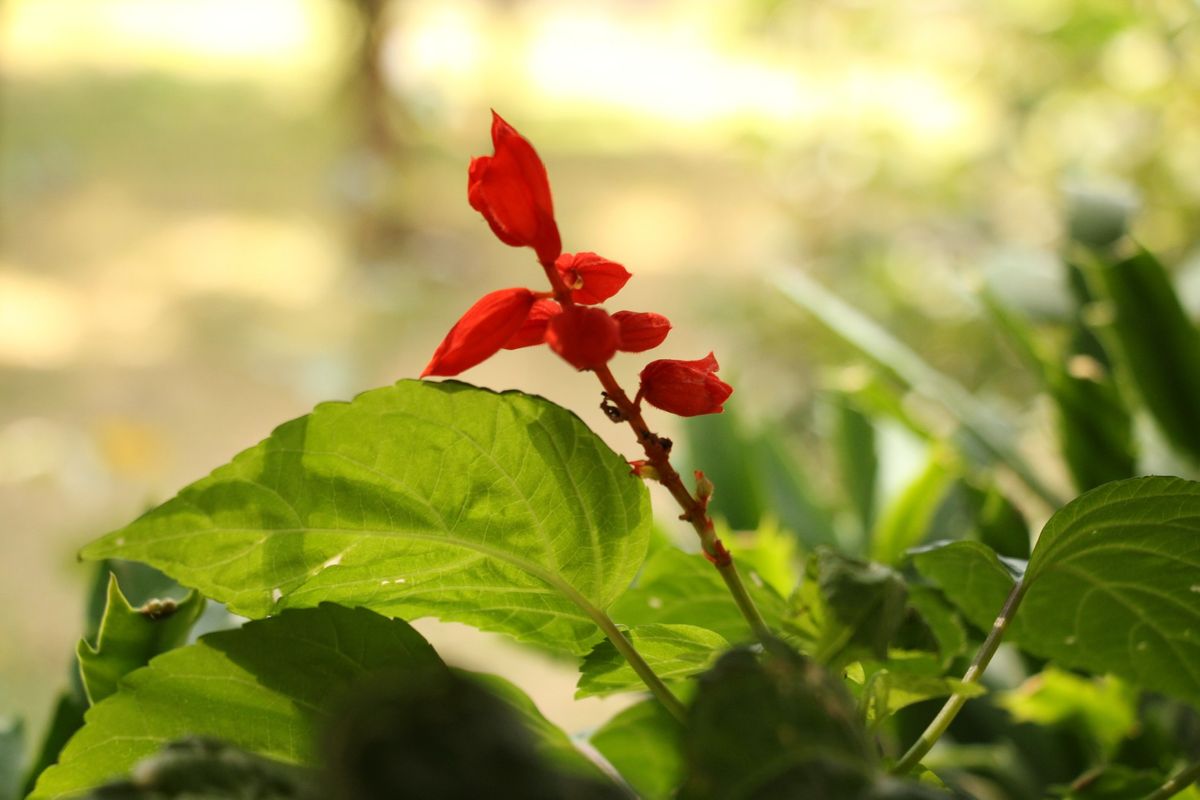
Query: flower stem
[
  {"x": 1176, "y": 783},
  {"x": 957, "y": 700},
  {"x": 658, "y": 453}
]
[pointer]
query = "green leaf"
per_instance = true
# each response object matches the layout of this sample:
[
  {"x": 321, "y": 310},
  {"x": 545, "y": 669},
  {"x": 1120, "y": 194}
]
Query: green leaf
[
  {"x": 12, "y": 756},
  {"x": 1114, "y": 585},
  {"x": 642, "y": 742},
  {"x": 792, "y": 498},
  {"x": 776, "y": 727},
  {"x": 1101, "y": 710},
  {"x": 1116, "y": 782},
  {"x": 1158, "y": 345},
  {"x": 847, "y": 609},
  {"x": 502, "y": 511},
  {"x": 684, "y": 589},
  {"x": 129, "y": 638},
  {"x": 979, "y": 422},
  {"x": 909, "y": 519},
  {"x": 943, "y": 622},
  {"x": 674, "y": 652},
  {"x": 549, "y": 740},
  {"x": 65, "y": 720},
  {"x": 263, "y": 687},
  {"x": 207, "y": 769},
  {"x": 858, "y": 462},
  {"x": 905, "y": 678},
  {"x": 974, "y": 578}
]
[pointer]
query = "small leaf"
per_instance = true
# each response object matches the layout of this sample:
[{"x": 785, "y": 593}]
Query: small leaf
[
  {"x": 1102, "y": 710},
  {"x": 128, "y": 638},
  {"x": 642, "y": 742},
  {"x": 262, "y": 687},
  {"x": 943, "y": 622},
  {"x": 847, "y": 609},
  {"x": 776, "y": 727},
  {"x": 674, "y": 652},
  {"x": 886, "y": 687},
  {"x": 1156, "y": 343},
  {"x": 502, "y": 511},
  {"x": 684, "y": 589}
]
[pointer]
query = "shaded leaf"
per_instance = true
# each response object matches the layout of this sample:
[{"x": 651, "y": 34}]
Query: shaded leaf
[
  {"x": 263, "y": 688},
  {"x": 421, "y": 499},
  {"x": 674, "y": 652},
  {"x": 717, "y": 445},
  {"x": 858, "y": 462},
  {"x": 128, "y": 638},
  {"x": 643, "y": 742},
  {"x": 1158, "y": 345},
  {"x": 792, "y": 499},
  {"x": 12, "y": 757},
  {"x": 973, "y": 577}
]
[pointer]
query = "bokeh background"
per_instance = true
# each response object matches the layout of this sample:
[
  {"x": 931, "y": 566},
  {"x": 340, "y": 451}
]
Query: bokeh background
[{"x": 214, "y": 214}]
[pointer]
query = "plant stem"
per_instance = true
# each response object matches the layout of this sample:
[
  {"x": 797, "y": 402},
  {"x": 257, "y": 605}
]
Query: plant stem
[
  {"x": 1176, "y": 783},
  {"x": 643, "y": 670},
  {"x": 658, "y": 453},
  {"x": 957, "y": 700}
]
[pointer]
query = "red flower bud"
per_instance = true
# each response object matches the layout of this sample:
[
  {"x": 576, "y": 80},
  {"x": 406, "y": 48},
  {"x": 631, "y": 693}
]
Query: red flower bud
[
  {"x": 512, "y": 192},
  {"x": 593, "y": 279},
  {"x": 686, "y": 388},
  {"x": 641, "y": 330},
  {"x": 534, "y": 330},
  {"x": 482, "y": 331},
  {"x": 585, "y": 337}
]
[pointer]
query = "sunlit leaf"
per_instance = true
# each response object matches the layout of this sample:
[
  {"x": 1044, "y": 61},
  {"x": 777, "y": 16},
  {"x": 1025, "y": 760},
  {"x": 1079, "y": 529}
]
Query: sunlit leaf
[
  {"x": 1103, "y": 710},
  {"x": 909, "y": 519},
  {"x": 420, "y": 499}
]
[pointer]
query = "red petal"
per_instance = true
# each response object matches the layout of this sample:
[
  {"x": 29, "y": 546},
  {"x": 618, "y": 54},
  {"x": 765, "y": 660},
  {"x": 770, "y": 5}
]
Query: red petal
[
  {"x": 482, "y": 331},
  {"x": 641, "y": 330},
  {"x": 585, "y": 337},
  {"x": 534, "y": 330},
  {"x": 512, "y": 192},
  {"x": 593, "y": 278}
]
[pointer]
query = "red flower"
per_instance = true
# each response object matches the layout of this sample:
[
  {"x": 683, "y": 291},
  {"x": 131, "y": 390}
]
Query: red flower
[
  {"x": 593, "y": 279},
  {"x": 482, "y": 331},
  {"x": 585, "y": 337},
  {"x": 512, "y": 192},
  {"x": 641, "y": 330},
  {"x": 534, "y": 330},
  {"x": 686, "y": 388}
]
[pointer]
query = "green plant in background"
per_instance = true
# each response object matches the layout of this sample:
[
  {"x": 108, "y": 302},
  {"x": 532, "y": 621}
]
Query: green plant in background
[{"x": 834, "y": 662}]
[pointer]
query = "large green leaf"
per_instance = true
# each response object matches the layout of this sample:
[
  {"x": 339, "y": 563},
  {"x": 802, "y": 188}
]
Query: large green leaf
[
  {"x": 498, "y": 510},
  {"x": 1158, "y": 345},
  {"x": 642, "y": 742},
  {"x": 262, "y": 687},
  {"x": 672, "y": 651},
  {"x": 129, "y": 637},
  {"x": 1113, "y": 584}
]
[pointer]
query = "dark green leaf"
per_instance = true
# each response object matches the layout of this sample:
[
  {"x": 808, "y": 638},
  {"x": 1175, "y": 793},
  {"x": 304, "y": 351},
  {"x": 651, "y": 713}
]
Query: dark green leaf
[
  {"x": 263, "y": 687},
  {"x": 1115, "y": 782},
  {"x": 498, "y": 510},
  {"x": 858, "y": 464},
  {"x": 642, "y": 742},
  {"x": 128, "y": 638},
  {"x": 775, "y": 726},
  {"x": 793, "y": 500},
  {"x": 1114, "y": 585},
  {"x": 943, "y": 622},
  {"x": 847, "y": 609},
  {"x": 674, "y": 652},
  {"x": 12, "y": 757},
  {"x": 1159, "y": 347},
  {"x": 717, "y": 445},
  {"x": 973, "y": 577}
]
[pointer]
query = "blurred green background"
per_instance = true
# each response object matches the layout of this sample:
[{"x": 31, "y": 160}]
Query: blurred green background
[{"x": 214, "y": 214}]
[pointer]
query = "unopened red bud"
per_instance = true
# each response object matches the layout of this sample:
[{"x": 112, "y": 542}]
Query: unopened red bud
[
  {"x": 644, "y": 469},
  {"x": 641, "y": 330},
  {"x": 686, "y": 388},
  {"x": 704, "y": 488},
  {"x": 585, "y": 337}
]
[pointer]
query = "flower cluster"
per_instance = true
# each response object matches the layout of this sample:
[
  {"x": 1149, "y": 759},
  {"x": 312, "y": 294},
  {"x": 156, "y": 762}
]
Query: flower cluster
[{"x": 512, "y": 192}]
